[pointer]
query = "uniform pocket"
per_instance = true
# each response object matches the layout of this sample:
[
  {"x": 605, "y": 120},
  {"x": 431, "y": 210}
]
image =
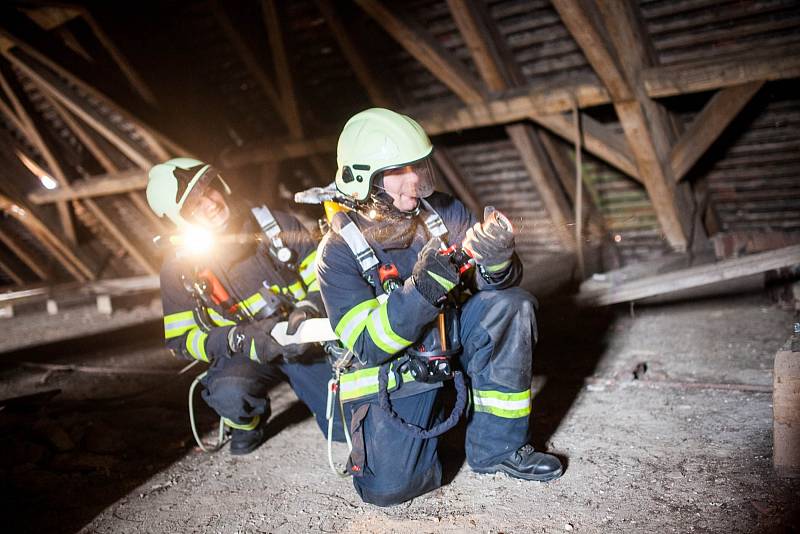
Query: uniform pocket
[{"x": 357, "y": 464}]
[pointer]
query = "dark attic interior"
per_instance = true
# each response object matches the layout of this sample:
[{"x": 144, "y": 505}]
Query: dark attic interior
[{"x": 646, "y": 154}]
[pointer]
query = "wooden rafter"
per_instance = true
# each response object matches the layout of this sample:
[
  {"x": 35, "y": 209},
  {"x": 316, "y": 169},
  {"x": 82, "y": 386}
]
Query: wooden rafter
[
  {"x": 618, "y": 57},
  {"x": 374, "y": 88},
  {"x": 15, "y": 95},
  {"x": 708, "y": 125},
  {"x": 24, "y": 255},
  {"x": 426, "y": 50},
  {"x": 545, "y": 180},
  {"x": 282, "y": 72},
  {"x": 52, "y": 243},
  {"x": 455, "y": 180},
  {"x": 97, "y": 186},
  {"x": 249, "y": 59},
  {"x": 9, "y": 271}
]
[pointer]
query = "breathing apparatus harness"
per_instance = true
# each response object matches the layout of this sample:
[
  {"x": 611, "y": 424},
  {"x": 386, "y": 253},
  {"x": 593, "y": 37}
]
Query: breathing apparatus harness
[
  {"x": 207, "y": 292},
  {"x": 423, "y": 365}
]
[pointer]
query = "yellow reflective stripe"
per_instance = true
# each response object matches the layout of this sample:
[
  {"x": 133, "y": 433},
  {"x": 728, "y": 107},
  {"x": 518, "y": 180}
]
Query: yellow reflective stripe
[
  {"x": 506, "y": 405},
  {"x": 308, "y": 268},
  {"x": 177, "y": 324},
  {"x": 253, "y": 351},
  {"x": 496, "y": 268},
  {"x": 297, "y": 291},
  {"x": 247, "y": 426},
  {"x": 196, "y": 344},
  {"x": 380, "y": 330},
  {"x": 313, "y": 286},
  {"x": 218, "y": 319},
  {"x": 354, "y": 322},
  {"x": 362, "y": 383},
  {"x": 253, "y": 303}
]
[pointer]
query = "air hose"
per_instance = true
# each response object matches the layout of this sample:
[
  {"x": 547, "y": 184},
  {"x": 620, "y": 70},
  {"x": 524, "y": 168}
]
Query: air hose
[{"x": 221, "y": 440}]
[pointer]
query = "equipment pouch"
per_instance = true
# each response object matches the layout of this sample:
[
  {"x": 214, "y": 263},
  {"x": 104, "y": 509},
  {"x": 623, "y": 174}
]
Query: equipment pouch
[{"x": 357, "y": 463}]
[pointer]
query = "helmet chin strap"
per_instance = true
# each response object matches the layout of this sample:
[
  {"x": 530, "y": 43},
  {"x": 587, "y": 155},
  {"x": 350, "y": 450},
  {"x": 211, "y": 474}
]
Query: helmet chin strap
[{"x": 384, "y": 203}]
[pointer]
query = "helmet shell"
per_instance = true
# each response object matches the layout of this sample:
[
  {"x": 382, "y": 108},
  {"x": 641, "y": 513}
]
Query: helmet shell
[
  {"x": 373, "y": 141},
  {"x": 170, "y": 183}
]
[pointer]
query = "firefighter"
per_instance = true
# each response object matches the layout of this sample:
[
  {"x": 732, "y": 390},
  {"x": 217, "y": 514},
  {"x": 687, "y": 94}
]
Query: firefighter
[
  {"x": 237, "y": 269},
  {"x": 385, "y": 278}
]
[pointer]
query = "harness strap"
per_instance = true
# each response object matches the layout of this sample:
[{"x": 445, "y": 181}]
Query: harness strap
[
  {"x": 345, "y": 227},
  {"x": 272, "y": 230},
  {"x": 434, "y": 222}
]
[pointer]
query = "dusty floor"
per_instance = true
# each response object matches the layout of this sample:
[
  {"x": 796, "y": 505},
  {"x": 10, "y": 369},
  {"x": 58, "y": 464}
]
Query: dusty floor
[{"x": 679, "y": 450}]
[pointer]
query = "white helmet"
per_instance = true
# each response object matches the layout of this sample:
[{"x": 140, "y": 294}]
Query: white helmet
[{"x": 171, "y": 182}]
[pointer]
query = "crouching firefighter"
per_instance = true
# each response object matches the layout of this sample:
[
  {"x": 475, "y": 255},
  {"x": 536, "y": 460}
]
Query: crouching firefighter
[
  {"x": 221, "y": 302},
  {"x": 394, "y": 272}
]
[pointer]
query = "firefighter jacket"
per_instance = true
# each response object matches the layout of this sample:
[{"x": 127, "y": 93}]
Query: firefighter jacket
[
  {"x": 249, "y": 273},
  {"x": 377, "y": 327}
]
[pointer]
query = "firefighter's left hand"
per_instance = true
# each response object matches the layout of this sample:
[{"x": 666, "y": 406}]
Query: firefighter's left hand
[
  {"x": 490, "y": 244},
  {"x": 303, "y": 311}
]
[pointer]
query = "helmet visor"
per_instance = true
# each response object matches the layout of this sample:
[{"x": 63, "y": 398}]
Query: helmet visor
[
  {"x": 198, "y": 190},
  {"x": 416, "y": 180}
]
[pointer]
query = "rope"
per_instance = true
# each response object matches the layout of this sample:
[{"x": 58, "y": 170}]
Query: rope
[
  {"x": 333, "y": 389},
  {"x": 412, "y": 429},
  {"x": 221, "y": 439}
]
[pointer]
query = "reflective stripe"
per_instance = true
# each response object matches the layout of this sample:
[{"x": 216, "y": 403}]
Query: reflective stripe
[
  {"x": 308, "y": 268},
  {"x": 297, "y": 291},
  {"x": 506, "y": 405},
  {"x": 177, "y": 324},
  {"x": 196, "y": 344},
  {"x": 354, "y": 322},
  {"x": 362, "y": 383},
  {"x": 380, "y": 330},
  {"x": 247, "y": 426},
  {"x": 253, "y": 351},
  {"x": 434, "y": 222},
  {"x": 497, "y": 268},
  {"x": 313, "y": 286},
  {"x": 218, "y": 319},
  {"x": 253, "y": 303}
]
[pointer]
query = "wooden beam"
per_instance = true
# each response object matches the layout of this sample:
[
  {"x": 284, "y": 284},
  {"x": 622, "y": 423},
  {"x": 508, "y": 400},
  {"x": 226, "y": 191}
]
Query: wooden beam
[
  {"x": 24, "y": 255},
  {"x": 422, "y": 47},
  {"x": 15, "y": 95},
  {"x": 109, "y": 184},
  {"x": 708, "y": 125},
  {"x": 545, "y": 180},
  {"x": 778, "y": 63},
  {"x": 285, "y": 86},
  {"x": 120, "y": 236},
  {"x": 10, "y": 272},
  {"x": 55, "y": 246},
  {"x": 252, "y": 64},
  {"x": 694, "y": 277},
  {"x": 598, "y": 139},
  {"x": 119, "y": 58},
  {"x": 455, "y": 179},
  {"x": 371, "y": 84}
]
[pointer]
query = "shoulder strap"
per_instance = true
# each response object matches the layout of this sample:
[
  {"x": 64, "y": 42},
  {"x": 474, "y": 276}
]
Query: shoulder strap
[
  {"x": 347, "y": 229},
  {"x": 272, "y": 230},
  {"x": 434, "y": 222}
]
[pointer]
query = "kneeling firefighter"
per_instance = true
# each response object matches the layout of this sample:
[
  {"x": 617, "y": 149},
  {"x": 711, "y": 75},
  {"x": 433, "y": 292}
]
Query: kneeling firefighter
[
  {"x": 416, "y": 289},
  {"x": 221, "y": 304}
]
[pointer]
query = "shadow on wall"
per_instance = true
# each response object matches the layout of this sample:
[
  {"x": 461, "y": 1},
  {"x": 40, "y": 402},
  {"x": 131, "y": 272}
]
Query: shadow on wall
[{"x": 67, "y": 457}]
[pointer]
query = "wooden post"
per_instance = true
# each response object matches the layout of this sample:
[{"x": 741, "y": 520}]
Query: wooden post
[{"x": 786, "y": 407}]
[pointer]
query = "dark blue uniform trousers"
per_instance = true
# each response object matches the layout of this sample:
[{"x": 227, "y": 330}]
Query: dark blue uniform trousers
[
  {"x": 237, "y": 388},
  {"x": 498, "y": 333}
]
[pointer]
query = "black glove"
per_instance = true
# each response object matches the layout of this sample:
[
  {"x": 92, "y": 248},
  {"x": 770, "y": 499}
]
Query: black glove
[
  {"x": 254, "y": 339},
  {"x": 491, "y": 244},
  {"x": 304, "y": 310},
  {"x": 434, "y": 274}
]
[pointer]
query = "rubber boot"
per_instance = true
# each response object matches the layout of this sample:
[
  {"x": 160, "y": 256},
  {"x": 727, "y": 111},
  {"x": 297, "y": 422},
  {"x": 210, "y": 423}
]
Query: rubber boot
[
  {"x": 528, "y": 464},
  {"x": 246, "y": 441}
]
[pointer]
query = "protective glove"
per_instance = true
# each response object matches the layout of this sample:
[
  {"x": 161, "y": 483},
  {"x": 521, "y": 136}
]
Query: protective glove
[
  {"x": 491, "y": 244},
  {"x": 434, "y": 274},
  {"x": 254, "y": 339},
  {"x": 302, "y": 311}
]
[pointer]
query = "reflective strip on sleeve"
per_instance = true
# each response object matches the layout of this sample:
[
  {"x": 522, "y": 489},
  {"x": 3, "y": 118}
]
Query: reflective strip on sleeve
[
  {"x": 354, "y": 322},
  {"x": 253, "y": 303},
  {"x": 308, "y": 268},
  {"x": 177, "y": 324},
  {"x": 497, "y": 268},
  {"x": 380, "y": 330},
  {"x": 196, "y": 344},
  {"x": 505, "y": 405},
  {"x": 313, "y": 286},
  {"x": 218, "y": 319},
  {"x": 297, "y": 291},
  {"x": 247, "y": 426},
  {"x": 253, "y": 351}
]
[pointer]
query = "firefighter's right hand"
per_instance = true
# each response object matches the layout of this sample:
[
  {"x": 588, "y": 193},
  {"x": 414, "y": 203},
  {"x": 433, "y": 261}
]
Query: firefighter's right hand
[
  {"x": 434, "y": 274},
  {"x": 254, "y": 340}
]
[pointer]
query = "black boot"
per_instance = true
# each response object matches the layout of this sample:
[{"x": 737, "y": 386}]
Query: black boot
[
  {"x": 528, "y": 464},
  {"x": 246, "y": 441}
]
